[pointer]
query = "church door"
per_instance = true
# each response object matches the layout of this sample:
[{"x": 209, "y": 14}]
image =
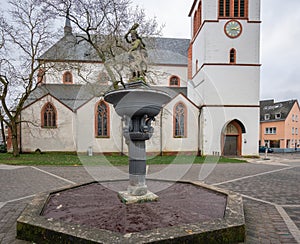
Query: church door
[
  {"x": 232, "y": 139},
  {"x": 230, "y": 145}
]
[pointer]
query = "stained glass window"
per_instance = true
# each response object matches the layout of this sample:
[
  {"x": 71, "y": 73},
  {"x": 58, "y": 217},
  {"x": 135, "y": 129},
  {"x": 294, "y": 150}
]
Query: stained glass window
[
  {"x": 102, "y": 119},
  {"x": 49, "y": 116},
  {"x": 180, "y": 120}
]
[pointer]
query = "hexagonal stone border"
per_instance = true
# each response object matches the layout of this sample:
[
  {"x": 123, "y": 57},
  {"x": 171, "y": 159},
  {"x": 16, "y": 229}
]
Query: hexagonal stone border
[{"x": 32, "y": 226}]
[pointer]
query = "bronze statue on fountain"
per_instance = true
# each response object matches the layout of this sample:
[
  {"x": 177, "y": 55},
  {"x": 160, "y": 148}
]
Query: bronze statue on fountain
[{"x": 137, "y": 55}]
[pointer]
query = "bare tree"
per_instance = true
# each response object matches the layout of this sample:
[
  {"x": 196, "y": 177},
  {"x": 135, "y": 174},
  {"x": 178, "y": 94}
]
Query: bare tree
[
  {"x": 25, "y": 35},
  {"x": 103, "y": 24}
]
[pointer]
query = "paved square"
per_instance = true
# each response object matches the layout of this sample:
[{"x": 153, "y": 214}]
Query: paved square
[{"x": 270, "y": 189}]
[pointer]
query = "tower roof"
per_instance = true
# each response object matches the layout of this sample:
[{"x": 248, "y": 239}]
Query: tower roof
[{"x": 68, "y": 27}]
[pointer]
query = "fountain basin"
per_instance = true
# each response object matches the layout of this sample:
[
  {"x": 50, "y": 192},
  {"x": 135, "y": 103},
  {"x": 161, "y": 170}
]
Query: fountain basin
[
  {"x": 137, "y": 102},
  {"x": 217, "y": 218}
]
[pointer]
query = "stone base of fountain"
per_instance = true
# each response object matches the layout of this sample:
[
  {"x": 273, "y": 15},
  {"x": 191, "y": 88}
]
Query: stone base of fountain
[
  {"x": 128, "y": 198},
  {"x": 186, "y": 212}
]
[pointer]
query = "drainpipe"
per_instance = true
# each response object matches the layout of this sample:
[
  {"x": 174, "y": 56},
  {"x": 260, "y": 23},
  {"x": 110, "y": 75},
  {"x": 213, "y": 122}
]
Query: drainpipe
[
  {"x": 122, "y": 134},
  {"x": 160, "y": 132},
  {"x": 199, "y": 128},
  {"x": 20, "y": 132}
]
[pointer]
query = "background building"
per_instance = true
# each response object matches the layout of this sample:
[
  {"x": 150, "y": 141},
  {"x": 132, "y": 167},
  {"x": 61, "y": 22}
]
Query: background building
[{"x": 279, "y": 124}]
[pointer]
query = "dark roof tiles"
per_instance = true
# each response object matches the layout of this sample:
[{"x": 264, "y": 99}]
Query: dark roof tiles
[
  {"x": 275, "y": 111},
  {"x": 74, "y": 96},
  {"x": 172, "y": 51}
]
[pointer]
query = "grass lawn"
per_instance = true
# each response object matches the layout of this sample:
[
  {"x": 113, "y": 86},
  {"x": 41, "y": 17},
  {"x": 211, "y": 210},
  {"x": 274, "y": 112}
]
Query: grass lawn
[{"x": 72, "y": 159}]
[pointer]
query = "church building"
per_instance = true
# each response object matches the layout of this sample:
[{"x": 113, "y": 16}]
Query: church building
[{"x": 213, "y": 80}]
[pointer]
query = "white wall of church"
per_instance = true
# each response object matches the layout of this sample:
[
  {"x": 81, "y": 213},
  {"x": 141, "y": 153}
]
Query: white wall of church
[
  {"x": 216, "y": 85},
  {"x": 214, "y": 120},
  {"x": 254, "y": 10},
  {"x": 162, "y": 74},
  {"x": 81, "y": 72},
  {"x": 162, "y": 139},
  {"x": 212, "y": 86},
  {"x": 209, "y": 10},
  {"x": 54, "y": 139},
  {"x": 93, "y": 72}
]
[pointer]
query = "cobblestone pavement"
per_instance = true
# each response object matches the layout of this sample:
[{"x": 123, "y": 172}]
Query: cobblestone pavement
[{"x": 270, "y": 190}]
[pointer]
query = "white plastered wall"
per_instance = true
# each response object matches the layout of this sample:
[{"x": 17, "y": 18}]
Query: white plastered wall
[
  {"x": 214, "y": 120},
  {"x": 161, "y": 74},
  {"x": 47, "y": 139}
]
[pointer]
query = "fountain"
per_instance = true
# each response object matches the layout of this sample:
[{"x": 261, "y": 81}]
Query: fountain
[
  {"x": 137, "y": 105},
  {"x": 184, "y": 212}
]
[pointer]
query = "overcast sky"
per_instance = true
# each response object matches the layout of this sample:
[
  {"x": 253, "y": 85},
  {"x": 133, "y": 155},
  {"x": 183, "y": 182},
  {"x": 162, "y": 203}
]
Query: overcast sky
[{"x": 280, "y": 40}]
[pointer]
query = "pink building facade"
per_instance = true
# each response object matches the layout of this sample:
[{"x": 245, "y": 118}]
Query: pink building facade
[{"x": 280, "y": 124}]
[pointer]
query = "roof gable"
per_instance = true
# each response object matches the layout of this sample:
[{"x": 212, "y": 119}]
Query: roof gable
[
  {"x": 75, "y": 96},
  {"x": 72, "y": 96}
]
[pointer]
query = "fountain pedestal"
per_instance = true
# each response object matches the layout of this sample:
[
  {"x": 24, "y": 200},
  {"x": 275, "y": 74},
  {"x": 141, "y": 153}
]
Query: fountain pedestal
[
  {"x": 136, "y": 131},
  {"x": 137, "y": 104},
  {"x": 137, "y": 168}
]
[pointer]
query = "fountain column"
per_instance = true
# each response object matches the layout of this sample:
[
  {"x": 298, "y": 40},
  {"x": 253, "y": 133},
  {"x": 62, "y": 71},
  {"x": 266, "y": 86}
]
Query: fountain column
[{"x": 136, "y": 131}]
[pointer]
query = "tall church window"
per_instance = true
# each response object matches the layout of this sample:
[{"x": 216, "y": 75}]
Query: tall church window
[
  {"x": 227, "y": 8},
  {"x": 67, "y": 77},
  {"x": 236, "y": 8},
  {"x": 233, "y": 8},
  {"x": 102, "y": 119},
  {"x": 232, "y": 56},
  {"x": 49, "y": 116},
  {"x": 174, "y": 81},
  {"x": 180, "y": 120},
  {"x": 242, "y": 8}
]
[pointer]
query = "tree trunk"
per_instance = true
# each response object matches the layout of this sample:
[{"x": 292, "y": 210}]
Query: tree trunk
[{"x": 14, "y": 139}]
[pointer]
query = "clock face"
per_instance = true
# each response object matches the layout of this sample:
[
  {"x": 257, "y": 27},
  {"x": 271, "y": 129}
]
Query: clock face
[{"x": 233, "y": 28}]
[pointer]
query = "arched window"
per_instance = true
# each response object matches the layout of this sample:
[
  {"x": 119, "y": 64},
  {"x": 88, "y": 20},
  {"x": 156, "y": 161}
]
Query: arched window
[
  {"x": 102, "y": 119},
  {"x": 174, "y": 81},
  {"x": 233, "y": 8},
  {"x": 49, "y": 116},
  {"x": 232, "y": 56},
  {"x": 67, "y": 78},
  {"x": 179, "y": 122}
]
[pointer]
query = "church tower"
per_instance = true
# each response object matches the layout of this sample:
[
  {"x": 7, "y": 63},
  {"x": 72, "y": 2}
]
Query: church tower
[{"x": 224, "y": 74}]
